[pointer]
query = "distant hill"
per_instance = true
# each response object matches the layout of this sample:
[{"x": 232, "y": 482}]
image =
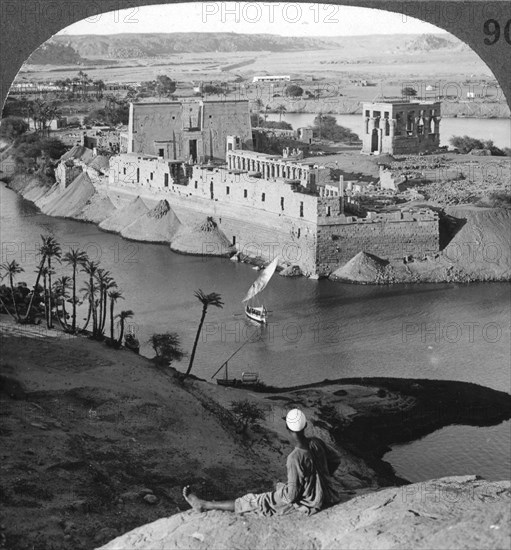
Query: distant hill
[
  {"x": 431, "y": 42},
  {"x": 51, "y": 53},
  {"x": 80, "y": 49},
  {"x": 118, "y": 46}
]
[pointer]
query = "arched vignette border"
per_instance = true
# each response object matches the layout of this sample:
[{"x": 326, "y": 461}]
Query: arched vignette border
[{"x": 26, "y": 24}]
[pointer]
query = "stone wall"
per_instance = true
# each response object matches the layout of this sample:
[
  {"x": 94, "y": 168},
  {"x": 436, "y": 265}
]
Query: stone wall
[
  {"x": 66, "y": 172},
  {"x": 150, "y": 173},
  {"x": 103, "y": 139},
  {"x": 260, "y": 233},
  {"x": 312, "y": 232},
  {"x": 391, "y": 237},
  {"x": 273, "y": 196}
]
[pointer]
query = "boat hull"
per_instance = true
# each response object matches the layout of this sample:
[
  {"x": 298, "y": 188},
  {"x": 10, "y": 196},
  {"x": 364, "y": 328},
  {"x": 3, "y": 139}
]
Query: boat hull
[
  {"x": 230, "y": 382},
  {"x": 258, "y": 314}
]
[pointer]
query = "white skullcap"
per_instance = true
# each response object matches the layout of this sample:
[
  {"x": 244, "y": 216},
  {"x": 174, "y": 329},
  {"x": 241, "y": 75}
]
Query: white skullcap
[{"x": 295, "y": 420}]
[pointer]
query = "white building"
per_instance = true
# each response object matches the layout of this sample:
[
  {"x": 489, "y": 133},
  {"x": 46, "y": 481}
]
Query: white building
[{"x": 283, "y": 78}]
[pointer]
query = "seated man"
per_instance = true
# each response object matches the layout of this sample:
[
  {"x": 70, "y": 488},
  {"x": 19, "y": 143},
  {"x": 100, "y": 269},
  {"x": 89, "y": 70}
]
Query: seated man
[{"x": 309, "y": 486}]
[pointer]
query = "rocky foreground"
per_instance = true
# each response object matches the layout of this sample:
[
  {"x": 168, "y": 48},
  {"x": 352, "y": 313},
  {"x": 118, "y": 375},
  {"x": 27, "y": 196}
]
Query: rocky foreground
[
  {"x": 97, "y": 442},
  {"x": 452, "y": 512}
]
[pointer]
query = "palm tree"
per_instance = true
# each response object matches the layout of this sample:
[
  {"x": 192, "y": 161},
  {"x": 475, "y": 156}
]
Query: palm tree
[
  {"x": 89, "y": 293},
  {"x": 12, "y": 269},
  {"x": 45, "y": 293},
  {"x": 75, "y": 258},
  {"x": 110, "y": 101},
  {"x": 105, "y": 283},
  {"x": 281, "y": 109},
  {"x": 100, "y": 86},
  {"x": 25, "y": 108},
  {"x": 75, "y": 82},
  {"x": 114, "y": 295},
  {"x": 109, "y": 285},
  {"x": 60, "y": 288},
  {"x": 83, "y": 79},
  {"x": 320, "y": 117},
  {"x": 49, "y": 244},
  {"x": 43, "y": 113},
  {"x": 207, "y": 300},
  {"x": 90, "y": 268},
  {"x": 52, "y": 250},
  {"x": 125, "y": 314},
  {"x": 258, "y": 104}
]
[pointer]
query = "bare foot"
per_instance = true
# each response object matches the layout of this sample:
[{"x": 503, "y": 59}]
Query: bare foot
[{"x": 193, "y": 500}]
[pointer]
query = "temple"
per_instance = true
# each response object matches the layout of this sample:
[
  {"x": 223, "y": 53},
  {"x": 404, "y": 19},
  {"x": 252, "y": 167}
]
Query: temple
[
  {"x": 401, "y": 128},
  {"x": 188, "y": 130}
]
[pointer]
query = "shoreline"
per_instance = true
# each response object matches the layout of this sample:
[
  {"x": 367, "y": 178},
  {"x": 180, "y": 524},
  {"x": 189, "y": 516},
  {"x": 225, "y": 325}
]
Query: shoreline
[
  {"x": 446, "y": 266},
  {"x": 353, "y": 107},
  {"x": 359, "y": 111}
]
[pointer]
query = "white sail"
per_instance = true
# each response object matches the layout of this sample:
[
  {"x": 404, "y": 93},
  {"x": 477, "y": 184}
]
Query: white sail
[{"x": 261, "y": 281}]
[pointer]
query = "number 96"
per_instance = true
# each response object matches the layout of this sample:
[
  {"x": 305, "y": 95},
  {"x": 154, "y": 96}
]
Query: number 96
[{"x": 492, "y": 29}]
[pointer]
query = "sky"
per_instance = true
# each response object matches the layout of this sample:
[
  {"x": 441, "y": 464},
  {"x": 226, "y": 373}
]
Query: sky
[{"x": 284, "y": 18}]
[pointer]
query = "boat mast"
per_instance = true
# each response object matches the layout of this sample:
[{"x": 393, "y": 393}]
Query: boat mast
[{"x": 224, "y": 364}]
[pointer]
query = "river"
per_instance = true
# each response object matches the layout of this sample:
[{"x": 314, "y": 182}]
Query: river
[
  {"x": 318, "y": 329},
  {"x": 497, "y": 130}
]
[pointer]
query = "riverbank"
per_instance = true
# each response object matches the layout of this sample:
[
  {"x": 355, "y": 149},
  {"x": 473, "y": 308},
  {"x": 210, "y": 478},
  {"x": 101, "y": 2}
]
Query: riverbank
[
  {"x": 99, "y": 441},
  {"x": 475, "y": 241}
]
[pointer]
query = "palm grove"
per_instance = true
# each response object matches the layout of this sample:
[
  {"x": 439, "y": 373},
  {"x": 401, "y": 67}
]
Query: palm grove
[{"x": 84, "y": 283}]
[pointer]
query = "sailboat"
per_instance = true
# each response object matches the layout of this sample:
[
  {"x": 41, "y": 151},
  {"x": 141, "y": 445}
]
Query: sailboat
[{"x": 259, "y": 313}]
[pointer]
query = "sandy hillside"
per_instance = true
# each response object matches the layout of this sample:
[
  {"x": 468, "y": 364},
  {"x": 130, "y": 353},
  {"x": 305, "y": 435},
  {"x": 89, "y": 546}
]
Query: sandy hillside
[
  {"x": 30, "y": 187},
  {"x": 158, "y": 225},
  {"x": 70, "y": 202},
  {"x": 97, "y": 209},
  {"x": 124, "y": 216},
  {"x": 203, "y": 238},
  {"x": 482, "y": 243},
  {"x": 362, "y": 268}
]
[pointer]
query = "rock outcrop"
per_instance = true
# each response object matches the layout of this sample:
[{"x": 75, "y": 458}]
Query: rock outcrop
[
  {"x": 291, "y": 271},
  {"x": 452, "y": 512}
]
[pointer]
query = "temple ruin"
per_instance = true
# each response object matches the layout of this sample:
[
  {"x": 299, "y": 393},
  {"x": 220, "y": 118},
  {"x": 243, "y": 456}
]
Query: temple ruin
[{"x": 402, "y": 128}]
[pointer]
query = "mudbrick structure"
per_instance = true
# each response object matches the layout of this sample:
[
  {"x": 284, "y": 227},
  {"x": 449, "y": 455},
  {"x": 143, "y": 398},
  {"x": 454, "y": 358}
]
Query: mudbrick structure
[{"x": 401, "y": 128}]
